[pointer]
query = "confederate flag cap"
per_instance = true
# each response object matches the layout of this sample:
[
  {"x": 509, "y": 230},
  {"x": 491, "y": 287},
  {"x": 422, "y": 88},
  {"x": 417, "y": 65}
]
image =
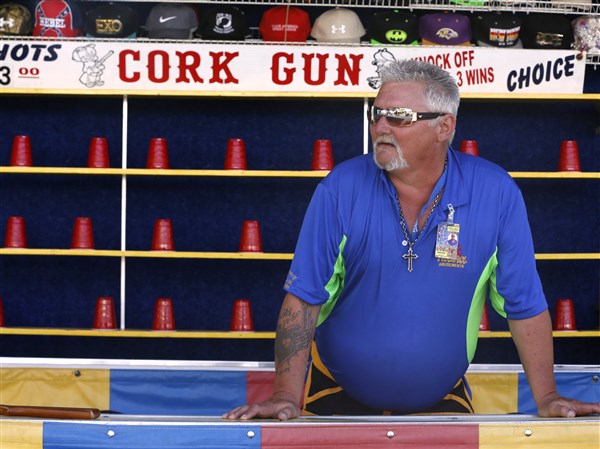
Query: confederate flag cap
[
  {"x": 285, "y": 24},
  {"x": 57, "y": 18}
]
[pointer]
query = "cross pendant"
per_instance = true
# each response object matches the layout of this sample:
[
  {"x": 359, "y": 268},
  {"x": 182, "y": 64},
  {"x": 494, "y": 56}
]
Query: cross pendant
[{"x": 410, "y": 256}]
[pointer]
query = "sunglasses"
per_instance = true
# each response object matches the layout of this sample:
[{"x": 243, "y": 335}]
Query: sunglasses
[{"x": 399, "y": 116}]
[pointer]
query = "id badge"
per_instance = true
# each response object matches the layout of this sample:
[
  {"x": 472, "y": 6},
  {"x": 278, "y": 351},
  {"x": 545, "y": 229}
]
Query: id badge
[{"x": 446, "y": 245}]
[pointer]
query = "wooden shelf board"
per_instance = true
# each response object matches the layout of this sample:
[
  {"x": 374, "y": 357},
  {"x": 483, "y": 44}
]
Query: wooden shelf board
[
  {"x": 137, "y": 333},
  {"x": 140, "y": 333},
  {"x": 555, "y": 334},
  {"x": 146, "y": 254},
  {"x": 245, "y": 173},
  {"x": 216, "y": 255}
]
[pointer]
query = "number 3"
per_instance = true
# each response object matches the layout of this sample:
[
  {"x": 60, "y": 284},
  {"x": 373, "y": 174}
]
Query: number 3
[{"x": 4, "y": 75}]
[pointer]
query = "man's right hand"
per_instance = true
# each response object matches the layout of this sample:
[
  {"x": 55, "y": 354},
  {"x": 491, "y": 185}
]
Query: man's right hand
[{"x": 276, "y": 407}]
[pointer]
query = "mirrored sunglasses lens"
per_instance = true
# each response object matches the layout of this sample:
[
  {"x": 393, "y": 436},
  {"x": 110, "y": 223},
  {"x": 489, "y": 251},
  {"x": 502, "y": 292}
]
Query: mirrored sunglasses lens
[{"x": 398, "y": 120}]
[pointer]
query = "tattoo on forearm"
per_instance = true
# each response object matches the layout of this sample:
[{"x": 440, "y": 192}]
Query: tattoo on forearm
[{"x": 294, "y": 333}]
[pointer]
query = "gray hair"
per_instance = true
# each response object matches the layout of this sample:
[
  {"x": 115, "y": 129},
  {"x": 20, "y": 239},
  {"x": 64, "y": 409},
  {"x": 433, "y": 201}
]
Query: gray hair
[{"x": 439, "y": 87}]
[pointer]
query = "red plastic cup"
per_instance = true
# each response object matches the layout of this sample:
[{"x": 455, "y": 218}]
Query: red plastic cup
[
  {"x": 98, "y": 153},
  {"x": 235, "y": 156},
  {"x": 250, "y": 240},
  {"x": 162, "y": 239},
  {"x": 1, "y": 313},
  {"x": 15, "y": 237},
  {"x": 568, "y": 159},
  {"x": 83, "y": 234},
  {"x": 469, "y": 147},
  {"x": 241, "y": 318},
  {"x": 104, "y": 317},
  {"x": 164, "y": 317},
  {"x": 21, "y": 152},
  {"x": 564, "y": 316},
  {"x": 322, "y": 158},
  {"x": 158, "y": 153},
  {"x": 484, "y": 325}
]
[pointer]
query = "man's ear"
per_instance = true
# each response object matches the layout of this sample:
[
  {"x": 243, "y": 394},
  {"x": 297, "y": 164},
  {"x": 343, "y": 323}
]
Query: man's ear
[{"x": 446, "y": 126}]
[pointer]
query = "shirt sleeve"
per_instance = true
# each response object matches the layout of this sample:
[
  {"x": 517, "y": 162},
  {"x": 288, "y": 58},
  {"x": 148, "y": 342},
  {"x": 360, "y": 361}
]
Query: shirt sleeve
[
  {"x": 517, "y": 279},
  {"x": 318, "y": 249}
]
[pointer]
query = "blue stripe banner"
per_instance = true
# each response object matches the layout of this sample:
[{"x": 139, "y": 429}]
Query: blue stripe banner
[
  {"x": 79, "y": 435},
  {"x": 173, "y": 392},
  {"x": 582, "y": 386}
]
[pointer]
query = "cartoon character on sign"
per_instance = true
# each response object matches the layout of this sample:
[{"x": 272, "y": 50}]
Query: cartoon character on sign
[
  {"x": 380, "y": 59},
  {"x": 93, "y": 67}
]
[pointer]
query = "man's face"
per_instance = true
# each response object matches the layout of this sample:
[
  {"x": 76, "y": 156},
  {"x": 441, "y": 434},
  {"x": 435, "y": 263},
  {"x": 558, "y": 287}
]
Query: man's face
[{"x": 399, "y": 147}]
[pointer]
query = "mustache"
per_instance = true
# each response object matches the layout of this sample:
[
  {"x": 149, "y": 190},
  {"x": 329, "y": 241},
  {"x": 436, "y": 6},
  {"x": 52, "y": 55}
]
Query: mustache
[{"x": 385, "y": 139}]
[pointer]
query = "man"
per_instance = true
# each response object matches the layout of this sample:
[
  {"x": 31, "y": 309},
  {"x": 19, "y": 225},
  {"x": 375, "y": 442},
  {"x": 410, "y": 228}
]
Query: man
[{"x": 394, "y": 314}]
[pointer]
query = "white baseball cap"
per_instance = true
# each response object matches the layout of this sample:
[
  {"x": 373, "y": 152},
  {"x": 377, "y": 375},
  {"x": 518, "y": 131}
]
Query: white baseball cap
[{"x": 338, "y": 25}]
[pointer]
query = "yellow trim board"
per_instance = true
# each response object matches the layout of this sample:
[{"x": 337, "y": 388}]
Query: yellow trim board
[
  {"x": 567, "y": 434},
  {"x": 21, "y": 434},
  {"x": 55, "y": 387}
]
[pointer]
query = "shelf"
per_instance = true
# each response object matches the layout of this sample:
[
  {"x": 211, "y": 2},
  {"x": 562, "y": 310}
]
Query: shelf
[
  {"x": 164, "y": 172},
  {"x": 133, "y": 333},
  {"x": 56, "y": 332},
  {"x": 145, "y": 254},
  {"x": 244, "y": 173},
  {"x": 217, "y": 255},
  {"x": 553, "y": 7}
]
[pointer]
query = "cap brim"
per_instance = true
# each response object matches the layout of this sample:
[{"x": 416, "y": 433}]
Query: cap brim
[
  {"x": 171, "y": 34},
  {"x": 517, "y": 44},
  {"x": 348, "y": 40},
  {"x": 464, "y": 44},
  {"x": 376, "y": 42}
]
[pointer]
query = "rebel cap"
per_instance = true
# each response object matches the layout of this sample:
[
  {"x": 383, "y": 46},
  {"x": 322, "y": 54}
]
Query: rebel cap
[
  {"x": 339, "y": 25},
  {"x": 223, "y": 22},
  {"x": 57, "y": 18},
  {"x": 15, "y": 19},
  {"x": 445, "y": 29},
  {"x": 496, "y": 29},
  {"x": 113, "y": 20},
  {"x": 171, "y": 21},
  {"x": 393, "y": 27},
  {"x": 284, "y": 24}
]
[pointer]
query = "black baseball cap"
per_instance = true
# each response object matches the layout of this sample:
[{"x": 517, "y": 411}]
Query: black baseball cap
[
  {"x": 393, "y": 27},
  {"x": 223, "y": 22},
  {"x": 549, "y": 31},
  {"x": 111, "y": 20},
  {"x": 496, "y": 29}
]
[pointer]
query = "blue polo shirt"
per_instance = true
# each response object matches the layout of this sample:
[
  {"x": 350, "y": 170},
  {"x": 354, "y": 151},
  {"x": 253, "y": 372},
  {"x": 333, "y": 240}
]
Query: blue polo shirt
[{"x": 400, "y": 340}]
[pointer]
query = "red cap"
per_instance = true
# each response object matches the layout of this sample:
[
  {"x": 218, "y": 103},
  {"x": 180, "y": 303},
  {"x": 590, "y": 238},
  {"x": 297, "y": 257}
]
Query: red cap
[{"x": 285, "y": 24}]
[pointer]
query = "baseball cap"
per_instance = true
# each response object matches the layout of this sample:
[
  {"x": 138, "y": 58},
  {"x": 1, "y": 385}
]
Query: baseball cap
[
  {"x": 285, "y": 24},
  {"x": 57, "y": 18},
  {"x": 224, "y": 22},
  {"x": 495, "y": 29},
  {"x": 171, "y": 21},
  {"x": 587, "y": 34},
  {"x": 15, "y": 20},
  {"x": 549, "y": 31},
  {"x": 111, "y": 20},
  {"x": 445, "y": 28},
  {"x": 393, "y": 27},
  {"x": 340, "y": 25}
]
